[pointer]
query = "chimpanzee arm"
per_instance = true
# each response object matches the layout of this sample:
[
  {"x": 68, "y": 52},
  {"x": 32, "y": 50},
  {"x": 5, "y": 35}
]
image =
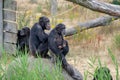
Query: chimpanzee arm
[
  {"x": 21, "y": 45},
  {"x": 53, "y": 47},
  {"x": 42, "y": 35},
  {"x": 65, "y": 48}
]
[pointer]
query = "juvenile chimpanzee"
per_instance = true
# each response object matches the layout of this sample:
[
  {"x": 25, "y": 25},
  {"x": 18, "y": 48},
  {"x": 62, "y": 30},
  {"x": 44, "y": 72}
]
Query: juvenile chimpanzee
[
  {"x": 23, "y": 39},
  {"x": 60, "y": 48},
  {"x": 39, "y": 39},
  {"x": 102, "y": 73}
]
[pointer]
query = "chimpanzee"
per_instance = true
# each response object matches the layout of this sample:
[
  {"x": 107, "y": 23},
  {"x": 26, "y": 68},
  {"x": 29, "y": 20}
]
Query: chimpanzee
[
  {"x": 102, "y": 73},
  {"x": 57, "y": 44},
  {"x": 59, "y": 47},
  {"x": 23, "y": 39},
  {"x": 39, "y": 39}
]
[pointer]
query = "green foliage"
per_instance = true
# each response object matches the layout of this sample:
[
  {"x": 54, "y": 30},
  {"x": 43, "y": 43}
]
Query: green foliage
[
  {"x": 103, "y": 73},
  {"x": 116, "y": 2},
  {"x": 114, "y": 60},
  {"x": 4, "y": 60},
  {"x": 101, "y": 69},
  {"x": 117, "y": 41}
]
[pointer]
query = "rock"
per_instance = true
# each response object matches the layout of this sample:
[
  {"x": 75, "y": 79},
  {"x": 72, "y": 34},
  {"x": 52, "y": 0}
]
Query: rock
[{"x": 32, "y": 63}]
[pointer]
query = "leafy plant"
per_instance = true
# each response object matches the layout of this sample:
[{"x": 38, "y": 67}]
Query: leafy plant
[
  {"x": 100, "y": 69},
  {"x": 116, "y": 2},
  {"x": 114, "y": 60}
]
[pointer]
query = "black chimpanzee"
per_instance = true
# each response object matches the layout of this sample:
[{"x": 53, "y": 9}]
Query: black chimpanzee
[
  {"x": 57, "y": 44},
  {"x": 102, "y": 73},
  {"x": 39, "y": 39},
  {"x": 60, "y": 48},
  {"x": 23, "y": 39}
]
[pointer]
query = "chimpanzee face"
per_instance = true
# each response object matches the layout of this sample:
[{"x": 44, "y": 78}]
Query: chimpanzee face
[
  {"x": 24, "y": 31},
  {"x": 60, "y": 28},
  {"x": 44, "y": 22}
]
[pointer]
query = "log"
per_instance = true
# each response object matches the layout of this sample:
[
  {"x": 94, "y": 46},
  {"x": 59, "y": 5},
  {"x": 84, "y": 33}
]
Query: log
[
  {"x": 95, "y": 5},
  {"x": 101, "y": 21},
  {"x": 113, "y": 10}
]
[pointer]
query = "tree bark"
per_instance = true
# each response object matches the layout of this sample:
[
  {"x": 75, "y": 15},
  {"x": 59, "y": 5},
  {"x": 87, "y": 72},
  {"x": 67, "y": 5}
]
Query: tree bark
[
  {"x": 101, "y": 21},
  {"x": 113, "y": 10}
]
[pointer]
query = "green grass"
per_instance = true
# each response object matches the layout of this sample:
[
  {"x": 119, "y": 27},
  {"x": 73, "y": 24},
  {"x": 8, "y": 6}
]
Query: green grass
[
  {"x": 25, "y": 68},
  {"x": 115, "y": 62},
  {"x": 102, "y": 75}
]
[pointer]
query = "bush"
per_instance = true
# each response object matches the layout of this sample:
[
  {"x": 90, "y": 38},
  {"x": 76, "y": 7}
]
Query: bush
[{"x": 116, "y": 2}]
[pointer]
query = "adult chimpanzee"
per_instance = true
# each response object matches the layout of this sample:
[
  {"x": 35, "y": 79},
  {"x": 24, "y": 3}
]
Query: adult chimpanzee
[
  {"x": 39, "y": 39},
  {"x": 23, "y": 39},
  {"x": 102, "y": 73},
  {"x": 60, "y": 48}
]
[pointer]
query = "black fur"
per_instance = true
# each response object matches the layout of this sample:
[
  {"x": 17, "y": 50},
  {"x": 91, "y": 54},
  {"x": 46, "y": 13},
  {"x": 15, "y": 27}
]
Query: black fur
[
  {"x": 23, "y": 39},
  {"x": 39, "y": 39},
  {"x": 57, "y": 44},
  {"x": 60, "y": 48}
]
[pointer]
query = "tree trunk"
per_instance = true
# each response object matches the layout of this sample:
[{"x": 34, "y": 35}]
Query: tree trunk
[
  {"x": 101, "y": 21},
  {"x": 113, "y": 10}
]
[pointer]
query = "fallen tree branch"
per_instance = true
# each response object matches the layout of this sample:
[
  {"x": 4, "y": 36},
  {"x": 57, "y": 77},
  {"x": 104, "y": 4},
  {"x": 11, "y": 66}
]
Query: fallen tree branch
[
  {"x": 113, "y": 10},
  {"x": 101, "y": 21}
]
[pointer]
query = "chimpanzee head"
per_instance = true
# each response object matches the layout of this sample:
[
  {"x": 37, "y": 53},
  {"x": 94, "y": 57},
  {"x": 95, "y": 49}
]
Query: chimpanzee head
[
  {"x": 25, "y": 31},
  {"x": 44, "y": 23},
  {"x": 60, "y": 28}
]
